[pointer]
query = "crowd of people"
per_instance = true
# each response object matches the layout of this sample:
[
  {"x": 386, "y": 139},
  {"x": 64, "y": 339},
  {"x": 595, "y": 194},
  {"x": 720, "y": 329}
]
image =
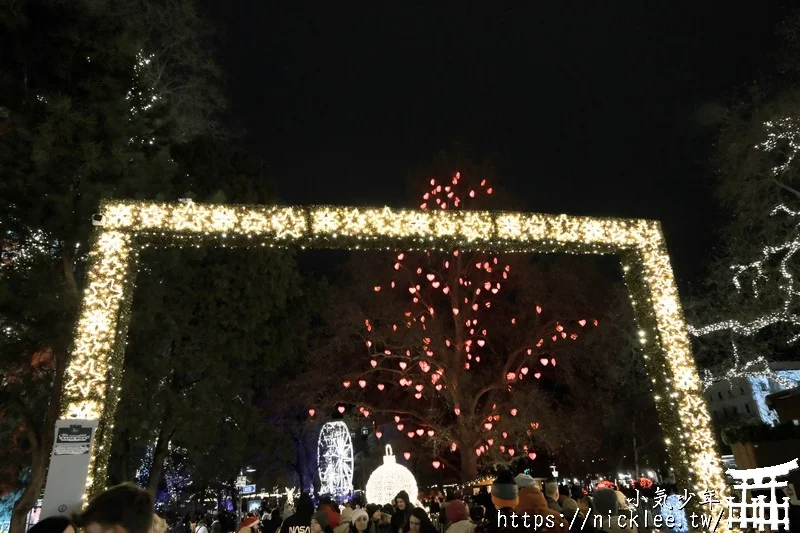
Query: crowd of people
[{"x": 550, "y": 508}]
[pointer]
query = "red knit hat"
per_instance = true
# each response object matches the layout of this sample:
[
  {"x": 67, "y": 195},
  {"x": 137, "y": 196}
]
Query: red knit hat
[{"x": 456, "y": 511}]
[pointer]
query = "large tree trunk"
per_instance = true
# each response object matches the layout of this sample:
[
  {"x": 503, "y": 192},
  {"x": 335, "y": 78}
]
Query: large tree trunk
[
  {"x": 41, "y": 440},
  {"x": 160, "y": 452},
  {"x": 469, "y": 464}
]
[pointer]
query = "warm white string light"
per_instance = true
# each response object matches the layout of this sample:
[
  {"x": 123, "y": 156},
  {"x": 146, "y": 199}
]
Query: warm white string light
[
  {"x": 92, "y": 390},
  {"x": 784, "y": 315}
]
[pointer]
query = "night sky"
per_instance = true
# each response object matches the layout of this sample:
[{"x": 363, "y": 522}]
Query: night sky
[{"x": 591, "y": 108}]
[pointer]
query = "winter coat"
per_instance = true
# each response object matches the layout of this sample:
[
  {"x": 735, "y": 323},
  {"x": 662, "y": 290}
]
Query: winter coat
[
  {"x": 533, "y": 502},
  {"x": 400, "y": 518},
  {"x": 297, "y": 523},
  {"x": 462, "y": 526}
]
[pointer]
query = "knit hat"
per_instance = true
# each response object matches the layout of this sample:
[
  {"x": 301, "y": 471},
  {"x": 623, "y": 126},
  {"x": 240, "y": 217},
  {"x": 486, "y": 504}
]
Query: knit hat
[
  {"x": 456, "y": 511},
  {"x": 373, "y": 508},
  {"x": 358, "y": 513},
  {"x": 346, "y": 516},
  {"x": 333, "y": 517},
  {"x": 387, "y": 508},
  {"x": 524, "y": 480},
  {"x": 504, "y": 491},
  {"x": 322, "y": 518}
]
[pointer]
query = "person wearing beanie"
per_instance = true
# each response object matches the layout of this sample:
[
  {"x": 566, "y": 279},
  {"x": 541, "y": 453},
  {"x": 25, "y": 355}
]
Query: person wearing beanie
[
  {"x": 300, "y": 521},
  {"x": 551, "y": 495},
  {"x": 400, "y": 516},
  {"x": 505, "y": 491},
  {"x": 361, "y": 523},
  {"x": 319, "y": 522},
  {"x": 458, "y": 518},
  {"x": 332, "y": 510}
]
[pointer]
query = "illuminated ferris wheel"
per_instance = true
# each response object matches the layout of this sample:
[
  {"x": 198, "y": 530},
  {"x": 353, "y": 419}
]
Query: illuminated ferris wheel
[{"x": 335, "y": 459}]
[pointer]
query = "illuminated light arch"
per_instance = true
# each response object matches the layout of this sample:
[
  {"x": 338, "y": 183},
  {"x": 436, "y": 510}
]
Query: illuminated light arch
[{"x": 92, "y": 381}]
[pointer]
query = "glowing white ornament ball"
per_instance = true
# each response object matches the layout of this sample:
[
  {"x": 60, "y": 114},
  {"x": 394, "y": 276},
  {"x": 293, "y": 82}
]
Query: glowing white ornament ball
[{"x": 389, "y": 479}]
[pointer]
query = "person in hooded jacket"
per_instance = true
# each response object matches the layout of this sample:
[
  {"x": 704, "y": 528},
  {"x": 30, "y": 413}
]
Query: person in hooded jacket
[
  {"x": 400, "y": 517},
  {"x": 300, "y": 521},
  {"x": 319, "y": 523},
  {"x": 533, "y": 502}
]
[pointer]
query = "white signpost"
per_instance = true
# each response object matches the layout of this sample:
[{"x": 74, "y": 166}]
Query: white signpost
[{"x": 69, "y": 467}]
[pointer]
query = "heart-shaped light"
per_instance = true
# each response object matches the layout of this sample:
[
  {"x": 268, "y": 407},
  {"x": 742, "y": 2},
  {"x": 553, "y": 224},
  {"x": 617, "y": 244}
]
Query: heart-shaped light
[
  {"x": 346, "y": 384},
  {"x": 341, "y": 409},
  {"x": 438, "y": 387},
  {"x": 311, "y": 412},
  {"x": 502, "y": 448},
  {"x": 488, "y": 426},
  {"x": 430, "y": 277},
  {"x": 553, "y": 361},
  {"x": 420, "y": 432},
  {"x": 381, "y": 386},
  {"x": 366, "y": 413},
  {"x": 362, "y": 383},
  {"x": 511, "y": 452},
  {"x": 373, "y": 363},
  {"x": 538, "y": 310},
  {"x": 407, "y": 456},
  {"x": 457, "y": 411},
  {"x": 431, "y": 433},
  {"x": 532, "y": 456},
  {"x": 417, "y": 395},
  {"x": 379, "y": 434},
  {"x": 505, "y": 434},
  {"x": 537, "y": 375},
  {"x": 403, "y": 365},
  {"x": 510, "y": 376},
  {"x": 436, "y": 464},
  {"x": 582, "y": 322},
  {"x": 544, "y": 361},
  {"x": 435, "y": 284},
  {"x": 490, "y": 441},
  {"x": 419, "y": 387},
  {"x": 410, "y": 434},
  {"x": 481, "y": 342},
  {"x": 455, "y": 311},
  {"x": 513, "y": 412},
  {"x": 446, "y": 290},
  {"x": 397, "y": 419},
  {"x": 453, "y": 446},
  {"x": 400, "y": 427},
  {"x": 524, "y": 370}
]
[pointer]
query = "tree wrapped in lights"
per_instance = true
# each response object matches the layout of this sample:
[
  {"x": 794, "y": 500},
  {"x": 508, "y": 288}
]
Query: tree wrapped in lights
[
  {"x": 460, "y": 351},
  {"x": 755, "y": 313}
]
